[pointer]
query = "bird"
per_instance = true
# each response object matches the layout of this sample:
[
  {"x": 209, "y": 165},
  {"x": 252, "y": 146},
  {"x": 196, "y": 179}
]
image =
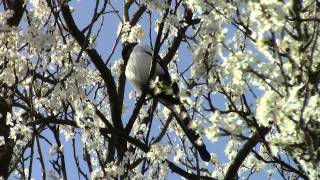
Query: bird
[{"x": 139, "y": 59}]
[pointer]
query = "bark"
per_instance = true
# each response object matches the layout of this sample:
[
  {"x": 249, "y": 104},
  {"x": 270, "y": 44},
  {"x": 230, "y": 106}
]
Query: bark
[{"x": 6, "y": 150}]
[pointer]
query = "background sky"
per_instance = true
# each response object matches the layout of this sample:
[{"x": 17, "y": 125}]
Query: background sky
[{"x": 83, "y": 14}]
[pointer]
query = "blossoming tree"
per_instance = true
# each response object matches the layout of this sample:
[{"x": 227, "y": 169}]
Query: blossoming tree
[{"x": 251, "y": 84}]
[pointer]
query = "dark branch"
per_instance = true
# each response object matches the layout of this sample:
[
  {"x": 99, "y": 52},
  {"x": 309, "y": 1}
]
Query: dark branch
[
  {"x": 17, "y": 8},
  {"x": 244, "y": 152}
]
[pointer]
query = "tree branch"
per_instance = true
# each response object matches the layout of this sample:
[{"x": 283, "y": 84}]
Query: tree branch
[
  {"x": 6, "y": 150},
  {"x": 174, "y": 168},
  {"x": 98, "y": 62},
  {"x": 244, "y": 152},
  {"x": 180, "y": 35},
  {"x": 17, "y": 8}
]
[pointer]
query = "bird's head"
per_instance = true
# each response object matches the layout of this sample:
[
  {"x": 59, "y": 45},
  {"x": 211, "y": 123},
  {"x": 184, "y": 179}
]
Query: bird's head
[{"x": 127, "y": 49}]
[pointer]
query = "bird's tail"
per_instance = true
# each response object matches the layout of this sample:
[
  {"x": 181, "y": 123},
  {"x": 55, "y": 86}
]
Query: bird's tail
[{"x": 185, "y": 122}]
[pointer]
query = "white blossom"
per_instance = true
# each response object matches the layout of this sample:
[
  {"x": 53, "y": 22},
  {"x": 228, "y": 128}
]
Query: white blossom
[{"x": 130, "y": 33}]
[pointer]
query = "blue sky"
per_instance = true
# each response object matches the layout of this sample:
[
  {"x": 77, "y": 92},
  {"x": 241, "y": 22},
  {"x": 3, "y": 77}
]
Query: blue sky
[
  {"x": 105, "y": 43},
  {"x": 83, "y": 15}
]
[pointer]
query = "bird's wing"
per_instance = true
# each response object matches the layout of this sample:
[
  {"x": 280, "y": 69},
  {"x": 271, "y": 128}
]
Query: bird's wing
[{"x": 165, "y": 76}]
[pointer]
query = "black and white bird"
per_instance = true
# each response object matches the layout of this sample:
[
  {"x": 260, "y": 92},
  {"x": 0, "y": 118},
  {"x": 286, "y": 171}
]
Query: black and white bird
[{"x": 139, "y": 61}]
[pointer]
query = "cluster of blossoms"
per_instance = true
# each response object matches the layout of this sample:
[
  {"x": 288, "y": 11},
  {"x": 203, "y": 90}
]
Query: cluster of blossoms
[
  {"x": 111, "y": 170},
  {"x": 50, "y": 80},
  {"x": 261, "y": 57},
  {"x": 255, "y": 67},
  {"x": 130, "y": 33}
]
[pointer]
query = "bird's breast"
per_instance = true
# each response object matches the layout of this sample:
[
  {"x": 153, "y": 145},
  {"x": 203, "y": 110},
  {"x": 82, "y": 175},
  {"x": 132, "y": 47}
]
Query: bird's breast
[{"x": 138, "y": 68}]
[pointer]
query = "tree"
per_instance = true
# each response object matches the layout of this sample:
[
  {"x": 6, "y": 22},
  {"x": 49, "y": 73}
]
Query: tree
[{"x": 252, "y": 82}]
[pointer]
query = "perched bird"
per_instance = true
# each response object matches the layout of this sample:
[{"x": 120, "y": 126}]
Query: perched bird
[{"x": 139, "y": 61}]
